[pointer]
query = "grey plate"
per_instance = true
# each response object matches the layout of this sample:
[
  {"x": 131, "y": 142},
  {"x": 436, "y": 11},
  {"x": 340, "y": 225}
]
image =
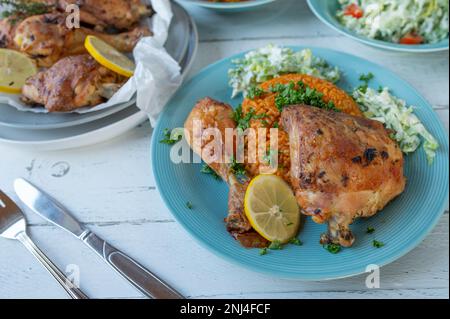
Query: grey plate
[
  {"x": 177, "y": 45},
  {"x": 29, "y": 137}
]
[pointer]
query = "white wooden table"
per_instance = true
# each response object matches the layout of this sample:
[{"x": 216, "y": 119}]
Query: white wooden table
[{"x": 110, "y": 187}]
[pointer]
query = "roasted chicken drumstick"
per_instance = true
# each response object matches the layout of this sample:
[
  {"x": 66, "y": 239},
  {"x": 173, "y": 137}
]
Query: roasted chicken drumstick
[
  {"x": 213, "y": 114},
  {"x": 342, "y": 167}
]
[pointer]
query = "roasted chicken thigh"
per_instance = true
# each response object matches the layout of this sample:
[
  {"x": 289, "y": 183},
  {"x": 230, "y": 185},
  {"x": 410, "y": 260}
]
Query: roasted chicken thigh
[
  {"x": 46, "y": 38},
  {"x": 120, "y": 14},
  {"x": 342, "y": 167},
  {"x": 73, "y": 82}
]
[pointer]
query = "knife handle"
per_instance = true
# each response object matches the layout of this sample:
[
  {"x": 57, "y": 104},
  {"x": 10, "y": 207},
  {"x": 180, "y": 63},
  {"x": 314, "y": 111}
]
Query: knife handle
[{"x": 141, "y": 278}]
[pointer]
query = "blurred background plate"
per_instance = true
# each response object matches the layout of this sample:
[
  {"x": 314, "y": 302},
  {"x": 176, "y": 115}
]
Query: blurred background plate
[
  {"x": 177, "y": 45},
  {"x": 401, "y": 225},
  {"x": 227, "y": 6},
  {"x": 96, "y": 131},
  {"x": 326, "y": 10}
]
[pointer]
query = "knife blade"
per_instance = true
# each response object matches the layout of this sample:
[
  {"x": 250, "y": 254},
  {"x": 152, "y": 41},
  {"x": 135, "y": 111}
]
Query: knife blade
[{"x": 47, "y": 207}]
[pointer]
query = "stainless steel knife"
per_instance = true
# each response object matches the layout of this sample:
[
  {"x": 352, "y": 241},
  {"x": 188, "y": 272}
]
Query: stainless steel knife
[{"x": 42, "y": 204}]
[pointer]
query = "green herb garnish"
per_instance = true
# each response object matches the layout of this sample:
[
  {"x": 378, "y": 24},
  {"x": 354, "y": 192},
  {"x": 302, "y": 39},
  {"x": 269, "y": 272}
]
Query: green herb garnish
[
  {"x": 292, "y": 94},
  {"x": 377, "y": 244},
  {"x": 263, "y": 251},
  {"x": 365, "y": 78},
  {"x": 255, "y": 92},
  {"x": 169, "y": 138},
  {"x": 333, "y": 248},
  {"x": 189, "y": 205},
  {"x": 370, "y": 230},
  {"x": 24, "y": 8},
  {"x": 237, "y": 169},
  {"x": 243, "y": 121},
  {"x": 206, "y": 169},
  {"x": 296, "y": 241},
  {"x": 276, "y": 245}
]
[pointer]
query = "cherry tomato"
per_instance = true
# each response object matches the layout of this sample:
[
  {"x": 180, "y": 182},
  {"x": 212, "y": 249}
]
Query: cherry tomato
[
  {"x": 411, "y": 38},
  {"x": 354, "y": 10}
]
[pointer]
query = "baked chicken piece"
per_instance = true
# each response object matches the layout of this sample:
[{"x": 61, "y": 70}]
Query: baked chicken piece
[
  {"x": 119, "y": 14},
  {"x": 342, "y": 167},
  {"x": 46, "y": 38},
  {"x": 73, "y": 82},
  {"x": 7, "y": 31},
  {"x": 211, "y": 114}
]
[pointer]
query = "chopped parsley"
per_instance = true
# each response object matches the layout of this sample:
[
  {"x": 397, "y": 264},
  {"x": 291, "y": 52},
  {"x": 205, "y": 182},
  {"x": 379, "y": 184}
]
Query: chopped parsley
[
  {"x": 370, "y": 230},
  {"x": 206, "y": 169},
  {"x": 263, "y": 251},
  {"x": 170, "y": 137},
  {"x": 237, "y": 169},
  {"x": 189, "y": 205},
  {"x": 292, "y": 94},
  {"x": 243, "y": 121},
  {"x": 365, "y": 79},
  {"x": 275, "y": 125},
  {"x": 276, "y": 245},
  {"x": 333, "y": 248},
  {"x": 254, "y": 92},
  {"x": 377, "y": 244},
  {"x": 296, "y": 241}
]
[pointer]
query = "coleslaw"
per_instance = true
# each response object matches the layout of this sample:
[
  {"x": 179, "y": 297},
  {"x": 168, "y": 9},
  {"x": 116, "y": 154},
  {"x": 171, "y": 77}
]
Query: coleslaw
[
  {"x": 396, "y": 115},
  {"x": 398, "y": 21},
  {"x": 271, "y": 61}
]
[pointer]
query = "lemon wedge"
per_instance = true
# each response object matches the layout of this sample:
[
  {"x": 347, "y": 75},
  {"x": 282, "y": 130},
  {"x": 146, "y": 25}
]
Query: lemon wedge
[
  {"x": 109, "y": 57},
  {"x": 272, "y": 209},
  {"x": 15, "y": 69}
]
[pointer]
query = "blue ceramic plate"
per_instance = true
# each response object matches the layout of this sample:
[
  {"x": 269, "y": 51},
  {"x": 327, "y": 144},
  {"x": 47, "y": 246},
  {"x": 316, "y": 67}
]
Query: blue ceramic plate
[
  {"x": 402, "y": 225},
  {"x": 228, "y": 6},
  {"x": 325, "y": 10}
]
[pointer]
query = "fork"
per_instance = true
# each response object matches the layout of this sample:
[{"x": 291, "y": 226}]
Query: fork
[{"x": 13, "y": 226}]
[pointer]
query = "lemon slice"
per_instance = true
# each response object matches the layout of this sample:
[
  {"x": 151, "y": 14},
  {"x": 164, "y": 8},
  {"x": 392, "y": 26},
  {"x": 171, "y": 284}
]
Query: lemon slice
[
  {"x": 272, "y": 209},
  {"x": 109, "y": 57},
  {"x": 15, "y": 69}
]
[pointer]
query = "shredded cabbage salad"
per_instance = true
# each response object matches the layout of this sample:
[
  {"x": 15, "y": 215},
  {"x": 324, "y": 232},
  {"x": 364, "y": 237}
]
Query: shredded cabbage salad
[
  {"x": 397, "y": 116},
  {"x": 271, "y": 61},
  {"x": 404, "y": 21}
]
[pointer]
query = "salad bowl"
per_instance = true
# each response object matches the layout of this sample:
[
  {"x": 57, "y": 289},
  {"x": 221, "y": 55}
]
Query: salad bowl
[{"x": 326, "y": 11}]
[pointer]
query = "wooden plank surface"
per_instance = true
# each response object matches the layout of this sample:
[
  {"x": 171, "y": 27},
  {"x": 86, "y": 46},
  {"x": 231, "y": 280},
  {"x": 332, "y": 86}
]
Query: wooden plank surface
[{"x": 110, "y": 187}]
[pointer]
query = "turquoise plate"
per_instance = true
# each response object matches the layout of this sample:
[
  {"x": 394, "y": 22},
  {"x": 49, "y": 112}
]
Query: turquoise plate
[
  {"x": 402, "y": 225},
  {"x": 325, "y": 10},
  {"x": 228, "y": 6}
]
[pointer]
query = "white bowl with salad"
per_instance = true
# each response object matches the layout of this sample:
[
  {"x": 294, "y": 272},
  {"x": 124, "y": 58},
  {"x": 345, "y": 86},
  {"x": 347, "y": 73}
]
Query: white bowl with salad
[{"x": 400, "y": 25}]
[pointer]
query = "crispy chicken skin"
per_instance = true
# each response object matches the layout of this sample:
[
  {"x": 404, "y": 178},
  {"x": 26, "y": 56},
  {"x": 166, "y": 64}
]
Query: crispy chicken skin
[
  {"x": 47, "y": 39},
  {"x": 342, "y": 167},
  {"x": 120, "y": 14},
  {"x": 7, "y": 31},
  {"x": 73, "y": 82},
  {"x": 213, "y": 114}
]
